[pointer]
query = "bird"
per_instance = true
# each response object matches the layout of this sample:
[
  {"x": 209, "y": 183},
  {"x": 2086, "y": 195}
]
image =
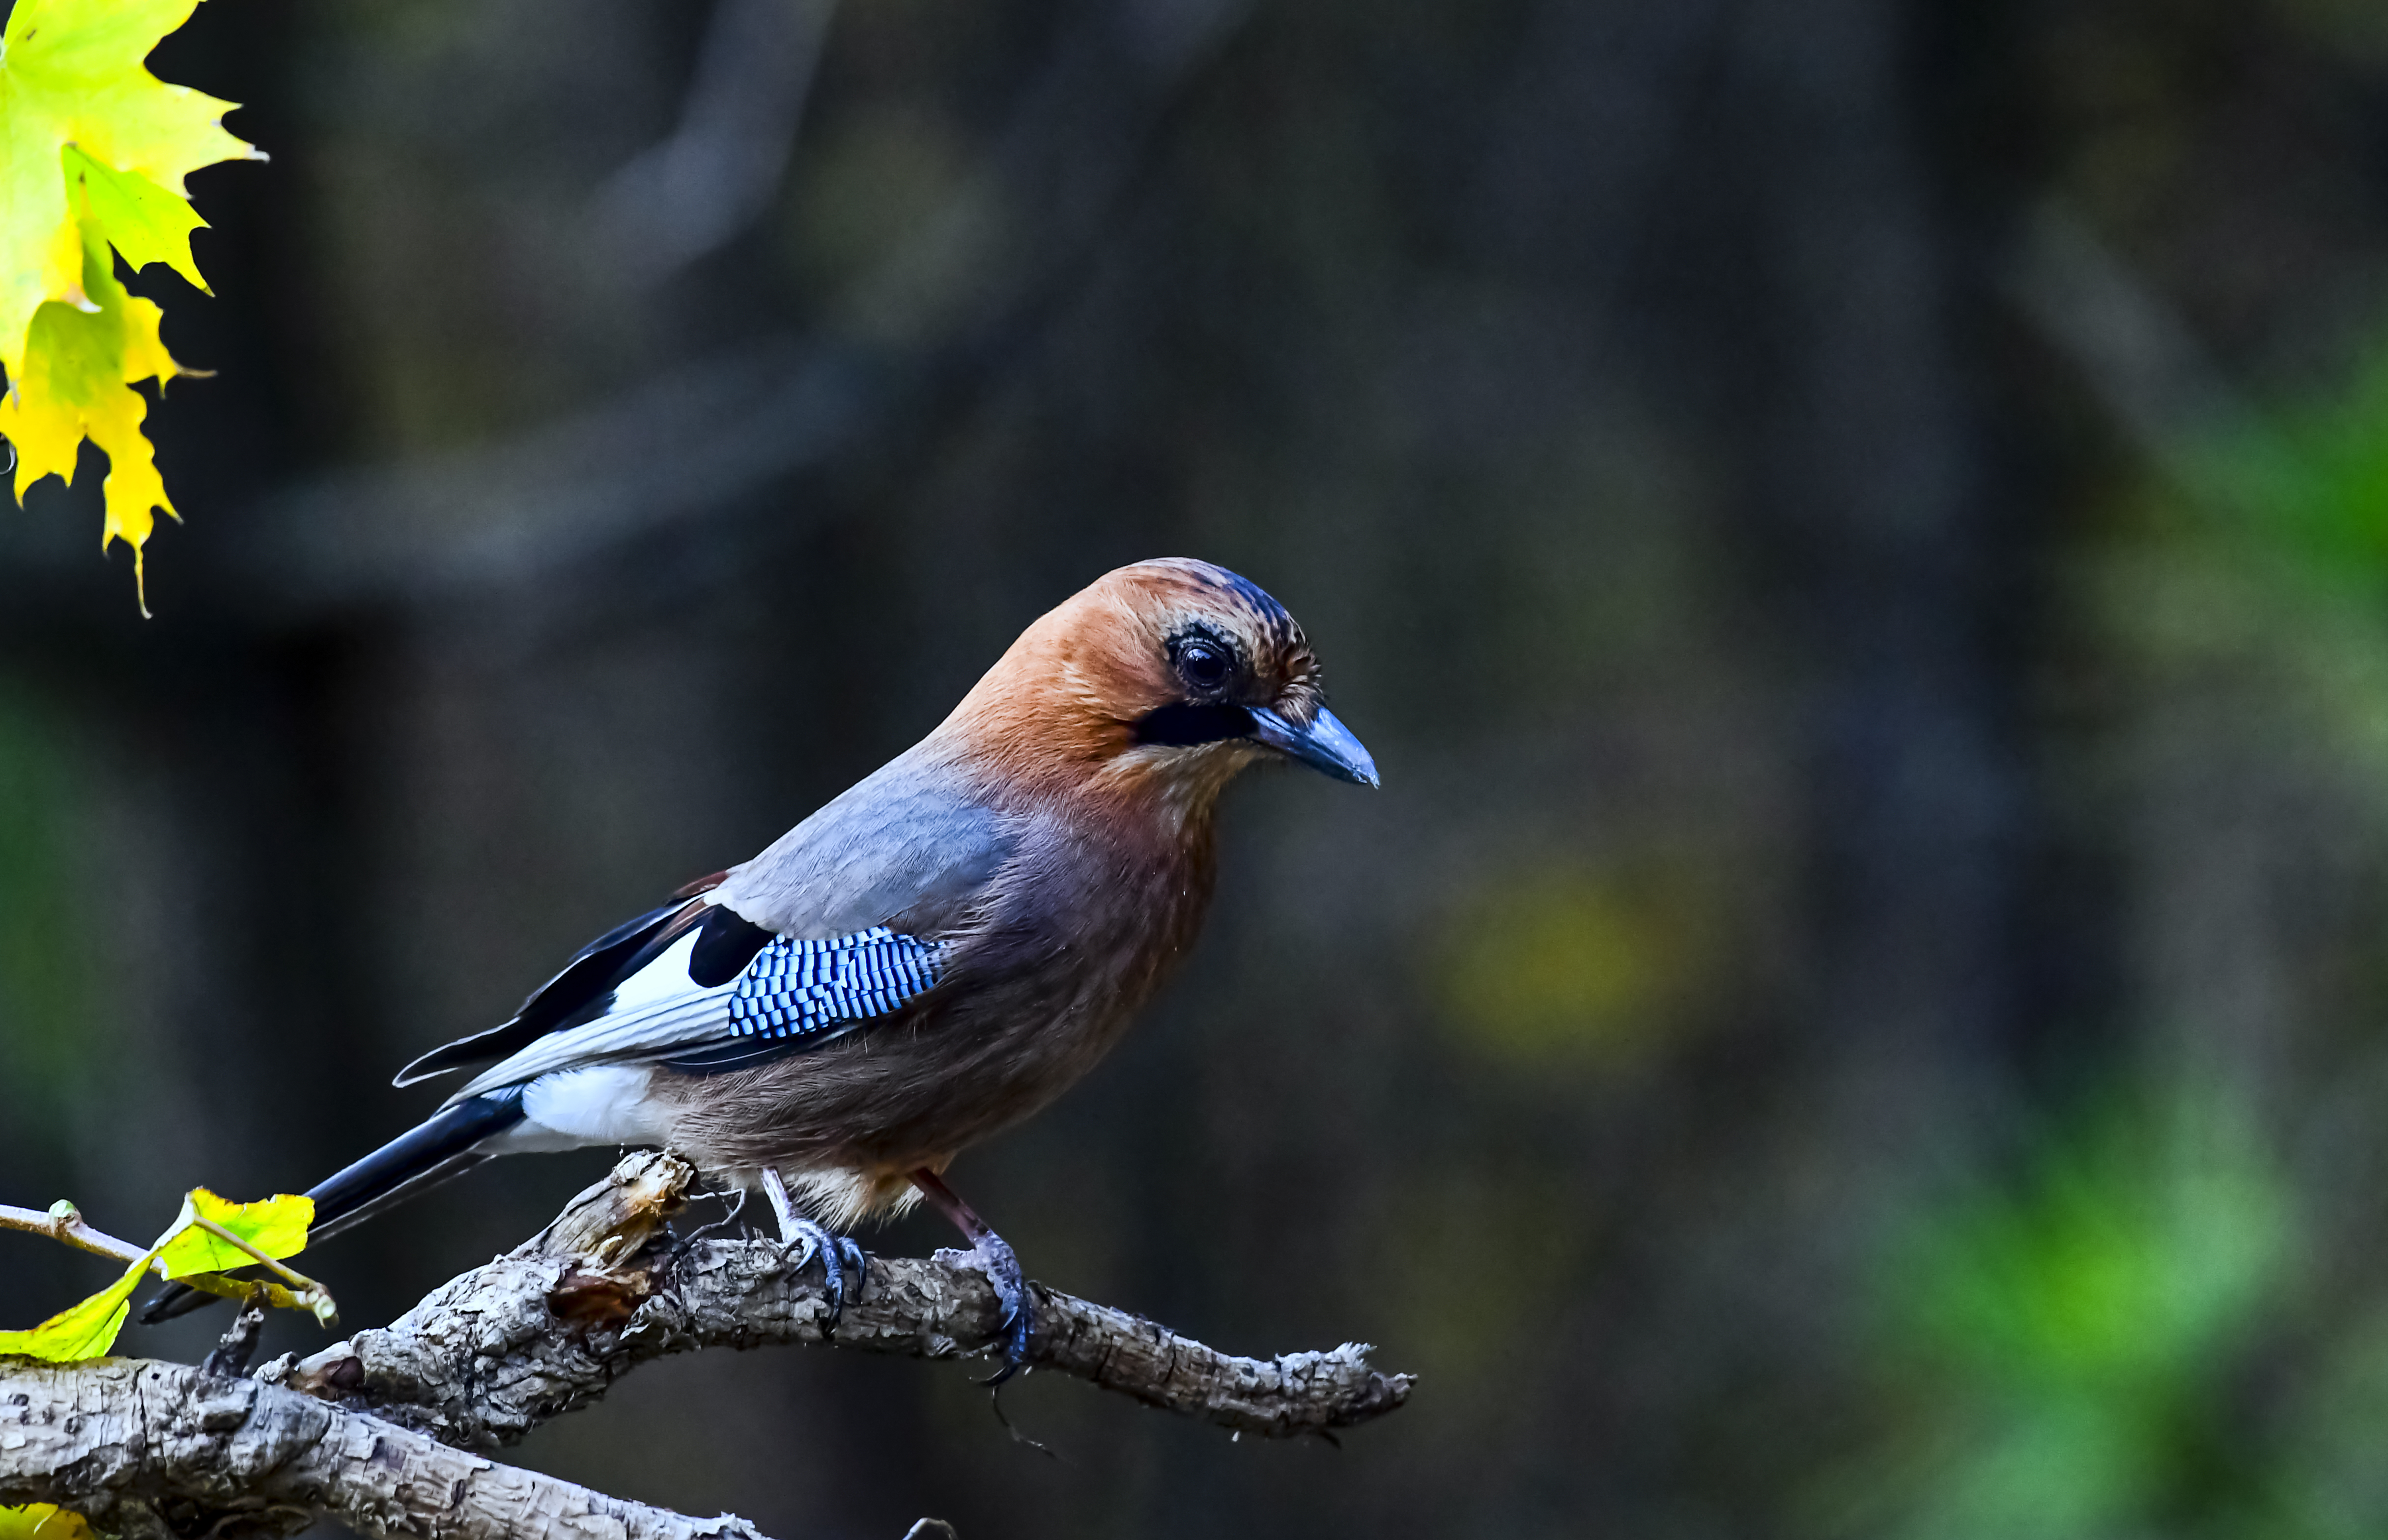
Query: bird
[{"x": 930, "y": 959}]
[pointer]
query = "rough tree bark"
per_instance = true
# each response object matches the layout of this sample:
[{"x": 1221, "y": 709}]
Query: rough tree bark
[{"x": 387, "y": 1431}]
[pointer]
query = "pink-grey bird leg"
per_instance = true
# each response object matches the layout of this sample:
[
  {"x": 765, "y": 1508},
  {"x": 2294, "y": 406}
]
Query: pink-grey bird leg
[
  {"x": 995, "y": 1259},
  {"x": 837, "y": 1252}
]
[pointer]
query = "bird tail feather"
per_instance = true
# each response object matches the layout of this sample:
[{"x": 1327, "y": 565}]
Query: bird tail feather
[{"x": 443, "y": 1147}]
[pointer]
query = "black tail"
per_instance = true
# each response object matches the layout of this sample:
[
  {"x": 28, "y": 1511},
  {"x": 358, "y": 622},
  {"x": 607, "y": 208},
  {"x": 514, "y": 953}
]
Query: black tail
[{"x": 444, "y": 1146}]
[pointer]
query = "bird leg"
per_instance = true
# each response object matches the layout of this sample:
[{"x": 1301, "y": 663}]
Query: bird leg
[
  {"x": 837, "y": 1252},
  {"x": 995, "y": 1260}
]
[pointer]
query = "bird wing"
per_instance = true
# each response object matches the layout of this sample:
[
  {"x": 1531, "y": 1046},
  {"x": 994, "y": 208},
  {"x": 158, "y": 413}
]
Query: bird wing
[
  {"x": 581, "y": 986},
  {"x": 795, "y": 994},
  {"x": 873, "y": 885}
]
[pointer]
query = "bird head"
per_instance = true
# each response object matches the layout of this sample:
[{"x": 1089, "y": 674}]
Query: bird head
[{"x": 1169, "y": 676}]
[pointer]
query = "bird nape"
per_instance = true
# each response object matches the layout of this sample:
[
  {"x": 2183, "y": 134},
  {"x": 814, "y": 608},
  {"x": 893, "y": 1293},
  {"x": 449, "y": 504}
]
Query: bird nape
[{"x": 928, "y": 960}]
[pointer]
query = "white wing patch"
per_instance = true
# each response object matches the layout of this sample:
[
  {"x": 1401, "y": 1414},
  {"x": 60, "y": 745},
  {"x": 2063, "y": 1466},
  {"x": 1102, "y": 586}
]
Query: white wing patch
[
  {"x": 655, "y": 1010},
  {"x": 660, "y": 982}
]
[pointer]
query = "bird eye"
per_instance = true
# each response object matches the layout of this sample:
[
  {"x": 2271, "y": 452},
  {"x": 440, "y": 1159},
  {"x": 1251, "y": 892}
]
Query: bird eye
[{"x": 1204, "y": 665}]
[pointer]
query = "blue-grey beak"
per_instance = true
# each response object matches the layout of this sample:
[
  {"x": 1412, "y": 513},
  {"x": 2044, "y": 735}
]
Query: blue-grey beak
[{"x": 1325, "y": 745}]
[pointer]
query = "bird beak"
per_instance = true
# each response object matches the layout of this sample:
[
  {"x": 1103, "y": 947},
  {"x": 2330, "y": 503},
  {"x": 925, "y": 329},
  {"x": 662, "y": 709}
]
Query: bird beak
[{"x": 1325, "y": 745}]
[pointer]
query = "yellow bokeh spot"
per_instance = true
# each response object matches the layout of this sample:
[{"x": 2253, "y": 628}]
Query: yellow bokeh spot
[{"x": 1573, "y": 966}]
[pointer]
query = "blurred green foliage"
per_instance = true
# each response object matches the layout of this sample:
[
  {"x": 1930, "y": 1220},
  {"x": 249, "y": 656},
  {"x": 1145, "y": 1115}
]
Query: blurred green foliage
[
  {"x": 2149, "y": 1329},
  {"x": 2071, "y": 1350},
  {"x": 2135, "y": 1337},
  {"x": 2308, "y": 480},
  {"x": 2265, "y": 553}
]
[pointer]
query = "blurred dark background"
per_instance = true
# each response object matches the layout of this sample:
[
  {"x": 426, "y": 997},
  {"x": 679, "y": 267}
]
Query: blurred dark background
[{"x": 1857, "y": 531}]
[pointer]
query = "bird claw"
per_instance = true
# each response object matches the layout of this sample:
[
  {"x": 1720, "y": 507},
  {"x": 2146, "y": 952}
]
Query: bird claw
[
  {"x": 858, "y": 1260},
  {"x": 810, "y": 1240},
  {"x": 995, "y": 1258}
]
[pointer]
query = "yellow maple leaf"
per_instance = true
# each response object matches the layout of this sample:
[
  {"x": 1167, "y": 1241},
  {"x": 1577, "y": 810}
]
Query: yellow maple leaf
[
  {"x": 76, "y": 382},
  {"x": 93, "y": 152},
  {"x": 77, "y": 105}
]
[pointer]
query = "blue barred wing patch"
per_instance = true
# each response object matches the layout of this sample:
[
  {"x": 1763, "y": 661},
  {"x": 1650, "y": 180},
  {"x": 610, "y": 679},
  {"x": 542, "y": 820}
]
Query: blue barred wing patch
[{"x": 797, "y": 990}]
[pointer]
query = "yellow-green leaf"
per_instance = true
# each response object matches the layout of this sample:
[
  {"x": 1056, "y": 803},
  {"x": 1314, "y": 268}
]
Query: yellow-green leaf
[
  {"x": 139, "y": 218},
  {"x": 275, "y": 1226},
  {"x": 43, "y": 1521},
  {"x": 85, "y": 1331},
  {"x": 72, "y": 73},
  {"x": 77, "y": 381}
]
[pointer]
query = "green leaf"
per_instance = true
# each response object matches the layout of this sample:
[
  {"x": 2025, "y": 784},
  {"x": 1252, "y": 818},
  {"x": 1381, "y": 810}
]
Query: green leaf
[
  {"x": 85, "y": 1331},
  {"x": 275, "y": 1226},
  {"x": 140, "y": 219}
]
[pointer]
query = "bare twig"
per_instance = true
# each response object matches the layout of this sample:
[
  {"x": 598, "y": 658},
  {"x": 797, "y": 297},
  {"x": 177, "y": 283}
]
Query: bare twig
[
  {"x": 230, "y": 1357},
  {"x": 296, "y": 1291},
  {"x": 64, "y": 1222}
]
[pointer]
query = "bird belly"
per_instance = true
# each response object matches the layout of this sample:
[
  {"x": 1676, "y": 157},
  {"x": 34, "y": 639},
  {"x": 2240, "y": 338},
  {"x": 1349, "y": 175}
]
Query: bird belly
[
  {"x": 601, "y": 1104},
  {"x": 851, "y": 1119}
]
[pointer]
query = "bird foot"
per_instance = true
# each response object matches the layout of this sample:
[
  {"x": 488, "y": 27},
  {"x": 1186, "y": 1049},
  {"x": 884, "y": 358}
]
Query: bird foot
[
  {"x": 807, "y": 1239},
  {"x": 995, "y": 1258},
  {"x": 837, "y": 1252}
]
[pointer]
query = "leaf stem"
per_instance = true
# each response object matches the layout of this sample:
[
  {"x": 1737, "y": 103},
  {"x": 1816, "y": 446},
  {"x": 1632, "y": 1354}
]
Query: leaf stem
[{"x": 317, "y": 1299}]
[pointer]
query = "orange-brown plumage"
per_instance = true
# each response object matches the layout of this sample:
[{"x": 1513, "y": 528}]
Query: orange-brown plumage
[{"x": 1058, "y": 711}]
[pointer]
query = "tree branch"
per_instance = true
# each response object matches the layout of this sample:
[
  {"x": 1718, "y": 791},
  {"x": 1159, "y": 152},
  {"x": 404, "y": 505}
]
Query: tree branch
[
  {"x": 491, "y": 1355},
  {"x": 387, "y": 1431},
  {"x": 149, "y": 1450}
]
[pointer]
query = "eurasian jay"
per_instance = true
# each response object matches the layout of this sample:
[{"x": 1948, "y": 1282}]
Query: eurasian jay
[{"x": 928, "y": 959}]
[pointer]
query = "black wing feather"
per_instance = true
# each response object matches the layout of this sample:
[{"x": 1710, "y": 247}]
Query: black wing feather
[
  {"x": 724, "y": 946},
  {"x": 586, "y": 982}
]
